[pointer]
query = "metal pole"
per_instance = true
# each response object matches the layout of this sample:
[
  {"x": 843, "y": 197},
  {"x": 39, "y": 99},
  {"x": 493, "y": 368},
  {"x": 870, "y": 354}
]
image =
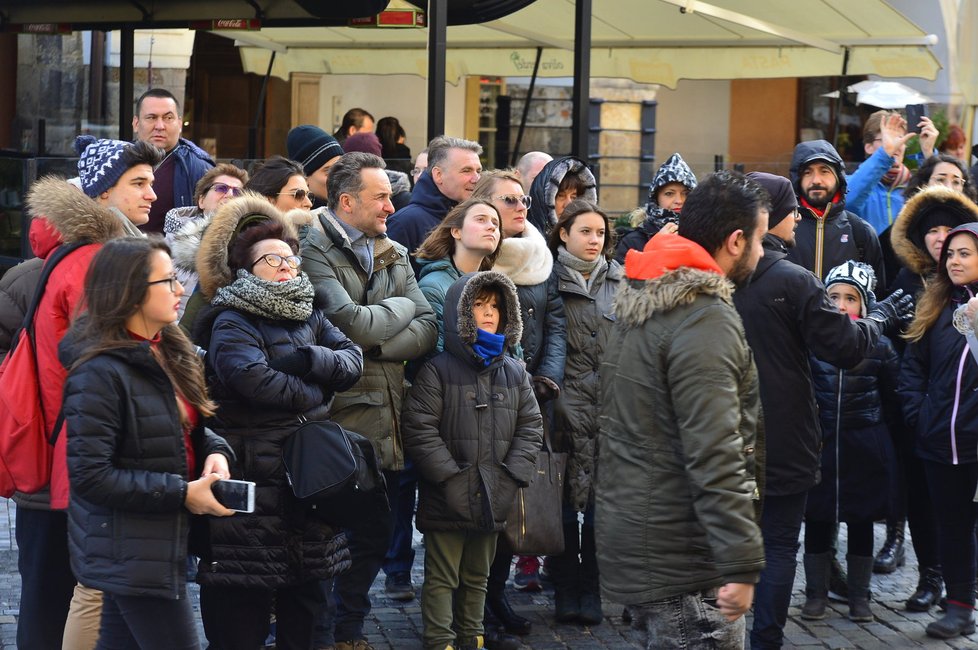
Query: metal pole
[
  {"x": 437, "y": 43},
  {"x": 526, "y": 108},
  {"x": 259, "y": 111},
  {"x": 838, "y": 100},
  {"x": 126, "y": 62},
  {"x": 582, "y": 78}
]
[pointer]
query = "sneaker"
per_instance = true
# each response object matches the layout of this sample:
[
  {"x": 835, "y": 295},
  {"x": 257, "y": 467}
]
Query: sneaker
[
  {"x": 527, "y": 577},
  {"x": 398, "y": 586}
]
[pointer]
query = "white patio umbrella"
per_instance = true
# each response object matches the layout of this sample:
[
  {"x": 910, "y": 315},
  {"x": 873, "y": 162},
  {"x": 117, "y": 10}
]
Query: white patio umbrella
[{"x": 884, "y": 94}]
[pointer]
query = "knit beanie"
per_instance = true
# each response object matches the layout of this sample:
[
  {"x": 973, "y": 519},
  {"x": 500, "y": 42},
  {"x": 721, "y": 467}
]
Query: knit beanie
[
  {"x": 783, "y": 199},
  {"x": 100, "y": 164},
  {"x": 856, "y": 274},
  {"x": 312, "y": 147},
  {"x": 363, "y": 141},
  {"x": 674, "y": 170},
  {"x": 934, "y": 214}
]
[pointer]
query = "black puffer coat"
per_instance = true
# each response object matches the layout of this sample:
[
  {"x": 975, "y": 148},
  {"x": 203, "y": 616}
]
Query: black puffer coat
[
  {"x": 589, "y": 319},
  {"x": 858, "y": 453},
  {"x": 127, "y": 525},
  {"x": 278, "y": 544},
  {"x": 472, "y": 430}
]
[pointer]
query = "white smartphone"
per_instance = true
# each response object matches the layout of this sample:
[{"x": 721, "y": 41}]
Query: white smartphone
[{"x": 235, "y": 495}]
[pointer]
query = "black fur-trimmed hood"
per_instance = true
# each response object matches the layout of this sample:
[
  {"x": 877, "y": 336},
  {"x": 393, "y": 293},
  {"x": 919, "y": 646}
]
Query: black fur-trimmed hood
[
  {"x": 928, "y": 200},
  {"x": 212, "y": 256},
  {"x": 71, "y": 212},
  {"x": 460, "y": 328}
]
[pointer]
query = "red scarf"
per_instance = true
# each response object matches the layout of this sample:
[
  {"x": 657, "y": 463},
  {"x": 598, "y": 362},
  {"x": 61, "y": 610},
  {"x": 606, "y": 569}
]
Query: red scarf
[{"x": 820, "y": 212}]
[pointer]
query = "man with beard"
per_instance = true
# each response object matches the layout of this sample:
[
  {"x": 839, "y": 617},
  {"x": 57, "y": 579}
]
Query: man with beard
[
  {"x": 788, "y": 315},
  {"x": 828, "y": 234},
  {"x": 679, "y": 424}
]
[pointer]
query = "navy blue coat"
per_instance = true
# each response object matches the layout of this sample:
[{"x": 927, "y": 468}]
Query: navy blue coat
[
  {"x": 258, "y": 408},
  {"x": 410, "y": 225}
]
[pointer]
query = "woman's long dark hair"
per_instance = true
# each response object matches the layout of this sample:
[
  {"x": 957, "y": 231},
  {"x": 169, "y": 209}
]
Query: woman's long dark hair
[
  {"x": 574, "y": 209},
  {"x": 115, "y": 288},
  {"x": 269, "y": 178},
  {"x": 937, "y": 294}
]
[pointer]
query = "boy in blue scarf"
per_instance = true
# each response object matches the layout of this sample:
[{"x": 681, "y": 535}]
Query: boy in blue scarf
[{"x": 473, "y": 428}]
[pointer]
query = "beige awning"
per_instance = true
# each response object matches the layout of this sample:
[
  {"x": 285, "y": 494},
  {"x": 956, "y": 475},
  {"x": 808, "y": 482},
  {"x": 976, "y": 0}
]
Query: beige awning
[{"x": 648, "y": 41}]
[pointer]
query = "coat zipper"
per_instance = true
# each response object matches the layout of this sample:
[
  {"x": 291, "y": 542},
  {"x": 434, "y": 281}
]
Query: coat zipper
[
  {"x": 819, "y": 243},
  {"x": 957, "y": 402},
  {"x": 838, "y": 433}
]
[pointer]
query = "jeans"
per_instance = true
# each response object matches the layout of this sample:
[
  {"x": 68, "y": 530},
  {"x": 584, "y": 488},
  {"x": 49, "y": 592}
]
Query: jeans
[
  {"x": 952, "y": 488},
  {"x": 368, "y": 544},
  {"x": 46, "y": 577},
  {"x": 780, "y": 527},
  {"x": 688, "y": 622},
  {"x": 237, "y": 618},
  {"x": 400, "y": 555},
  {"x": 147, "y": 623}
]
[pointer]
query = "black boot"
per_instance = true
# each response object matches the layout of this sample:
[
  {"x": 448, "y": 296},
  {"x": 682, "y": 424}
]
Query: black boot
[
  {"x": 838, "y": 581},
  {"x": 499, "y": 606},
  {"x": 591, "y": 612},
  {"x": 930, "y": 586},
  {"x": 565, "y": 575},
  {"x": 892, "y": 555},
  {"x": 960, "y": 619},
  {"x": 817, "y": 569},
  {"x": 496, "y": 639},
  {"x": 860, "y": 571}
]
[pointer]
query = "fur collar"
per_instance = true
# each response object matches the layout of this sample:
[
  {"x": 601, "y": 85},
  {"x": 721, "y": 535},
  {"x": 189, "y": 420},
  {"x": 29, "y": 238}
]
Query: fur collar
[
  {"x": 212, "y": 256},
  {"x": 185, "y": 243},
  {"x": 638, "y": 300},
  {"x": 71, "y": 212},
  {"x": 917, "y": 259},
  {"x": 525, "y": 260}
]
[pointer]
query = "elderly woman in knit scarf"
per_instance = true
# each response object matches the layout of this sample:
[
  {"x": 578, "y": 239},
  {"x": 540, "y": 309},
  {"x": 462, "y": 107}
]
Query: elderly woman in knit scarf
[{"x": 272, "y": 360}]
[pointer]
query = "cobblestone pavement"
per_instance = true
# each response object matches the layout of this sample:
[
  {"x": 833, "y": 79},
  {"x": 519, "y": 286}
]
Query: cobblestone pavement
[{"x": 394, "y": 625}]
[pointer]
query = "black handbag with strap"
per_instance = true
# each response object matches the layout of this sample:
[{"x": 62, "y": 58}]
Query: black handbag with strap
[{"x": 535, "y": 524}]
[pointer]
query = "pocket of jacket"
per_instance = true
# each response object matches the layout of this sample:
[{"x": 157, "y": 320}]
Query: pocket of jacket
[{"x": 458, "y": 494}]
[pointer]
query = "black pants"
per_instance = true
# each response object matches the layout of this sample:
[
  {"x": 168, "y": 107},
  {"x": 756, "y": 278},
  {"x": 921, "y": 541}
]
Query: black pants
[
  {"x": 237, "y": 618},
  {"x": 920, "y": 513},
  {"x": 147, "y": 623},
  {"x": 47, "y": 582},
  {"x": 952, "y": 489},
  {"x": 820, "y": 537}
]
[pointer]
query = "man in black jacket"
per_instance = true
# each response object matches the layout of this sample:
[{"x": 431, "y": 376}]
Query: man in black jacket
[{"x": 786, "y": 314}]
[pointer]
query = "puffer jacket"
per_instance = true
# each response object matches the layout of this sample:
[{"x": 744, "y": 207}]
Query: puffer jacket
[
  {"x": 824, "y": 242},
  {"x": 679, "y": 429},
  {"x": 385, "y": 314},
  {"x": 410, "y": 225},
  {"x": 472, "y": 430},
  {"x": 939, "y": 387},
  {"x": 434, "y": 280},
  {"x": 860, "y": 415},
  {"x": 17, "y": 286},
  {"x": 76, "y": 218},
  {"x": 786, "y": 315},
  {"x": 590, "y": 317},
  {"x": 190, "y": 164},
  {"x": 258, "y": 408},
  {"x": 528, "y": 262},
  {"x": 543, "y": 190},
  {"x": 127, "y": 525}
]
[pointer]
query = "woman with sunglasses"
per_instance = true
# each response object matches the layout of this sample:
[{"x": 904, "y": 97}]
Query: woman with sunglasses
[
  {"x": 283, "y": 183},
  {"x": 272, "y": 359},
  {"x": 525, "y": 259},
  {"x": 183, "y": 227},
  {"x": 139, "y": 458}
]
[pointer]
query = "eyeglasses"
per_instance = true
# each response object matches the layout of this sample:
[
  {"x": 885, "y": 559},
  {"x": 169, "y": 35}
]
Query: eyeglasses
[
  {"x": 948, "y": 181},
  {"x": 275, "y": 261},
  {"x": 512, "y": 200},
  {"x": 224, "y": 188},
  {"x": 172, "y": 281},
  {"x": 299, "y": 195}
]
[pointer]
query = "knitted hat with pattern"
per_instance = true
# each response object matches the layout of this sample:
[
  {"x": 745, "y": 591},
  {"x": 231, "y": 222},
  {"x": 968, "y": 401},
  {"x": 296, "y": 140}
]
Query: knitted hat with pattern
[
  {"x": 674, "y": 170},
  {"x": 101, "y": 163},
  {"x": 856, "y": 274}
]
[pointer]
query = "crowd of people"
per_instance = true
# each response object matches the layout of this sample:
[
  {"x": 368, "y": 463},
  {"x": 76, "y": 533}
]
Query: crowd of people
[{"x": 753, "y": 353}]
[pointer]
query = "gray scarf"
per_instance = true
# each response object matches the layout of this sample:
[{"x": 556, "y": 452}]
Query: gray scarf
[
  {"x": 578, "y": 267},
  {"x": 289, "y": 300}
]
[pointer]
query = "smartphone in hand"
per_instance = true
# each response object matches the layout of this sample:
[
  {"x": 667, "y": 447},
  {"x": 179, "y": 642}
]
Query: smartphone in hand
[
  {"x": 914, "y": 113},
  {"x": 235, "y": 495}
]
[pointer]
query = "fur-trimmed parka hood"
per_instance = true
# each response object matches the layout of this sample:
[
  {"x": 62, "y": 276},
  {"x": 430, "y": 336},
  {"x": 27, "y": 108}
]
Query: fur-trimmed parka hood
[
  {"x": 212, "y": 257},
  {"x": 185, "y": 243},
  {"x": 543, "y": 192},
  {"x": 71, "y": 212},
  {"x": 460, "y": 327},
  {"x": 638, "y": 300},
  {"x": 907, "y": 238}
]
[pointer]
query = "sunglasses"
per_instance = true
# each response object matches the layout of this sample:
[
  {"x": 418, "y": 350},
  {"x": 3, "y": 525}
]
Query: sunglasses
[
  {"x": 172, "y": 281},
  {"x": 299, "y": 195},
  {"x": 275, "y": 261},
  {"x": 224, "y": 188},
  {"x": 512, "y": 200}
]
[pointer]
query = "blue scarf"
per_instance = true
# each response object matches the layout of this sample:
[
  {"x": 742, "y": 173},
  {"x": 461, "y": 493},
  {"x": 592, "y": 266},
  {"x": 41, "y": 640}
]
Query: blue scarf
[{"x": 488, "y": 346}]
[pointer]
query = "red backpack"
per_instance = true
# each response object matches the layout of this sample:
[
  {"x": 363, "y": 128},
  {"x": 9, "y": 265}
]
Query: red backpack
[{"x": 26, "y": 450}]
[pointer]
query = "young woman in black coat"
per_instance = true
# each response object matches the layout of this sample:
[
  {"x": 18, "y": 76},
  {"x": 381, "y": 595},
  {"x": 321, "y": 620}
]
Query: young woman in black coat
[{"x": 139, "y": 460}]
